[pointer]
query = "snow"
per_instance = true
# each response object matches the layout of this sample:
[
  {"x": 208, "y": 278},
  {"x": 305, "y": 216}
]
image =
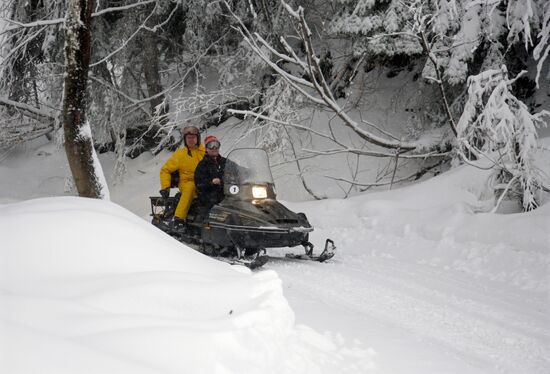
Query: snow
[{"x": 425, "y": 280}]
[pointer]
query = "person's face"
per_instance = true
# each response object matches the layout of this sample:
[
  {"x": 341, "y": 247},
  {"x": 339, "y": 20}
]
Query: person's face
[
  {"x": 213, "y": 149},
  {"x": 191, "y": 140}
]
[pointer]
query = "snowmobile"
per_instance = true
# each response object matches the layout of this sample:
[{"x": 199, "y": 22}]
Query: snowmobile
[{"x": 246, "y": 222}]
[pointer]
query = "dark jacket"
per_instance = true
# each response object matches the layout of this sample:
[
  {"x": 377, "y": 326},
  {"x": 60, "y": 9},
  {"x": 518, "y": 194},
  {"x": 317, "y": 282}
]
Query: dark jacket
[{"x": 209, "y": 168}]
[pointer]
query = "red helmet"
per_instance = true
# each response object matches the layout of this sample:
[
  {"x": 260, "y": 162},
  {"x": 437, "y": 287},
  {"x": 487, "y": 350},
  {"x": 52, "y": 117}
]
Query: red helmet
[{"x": 210, "y": 139}]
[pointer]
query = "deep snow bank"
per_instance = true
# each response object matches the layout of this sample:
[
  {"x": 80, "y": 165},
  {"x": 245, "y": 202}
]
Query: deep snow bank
[{"x": 86, "y": 286}]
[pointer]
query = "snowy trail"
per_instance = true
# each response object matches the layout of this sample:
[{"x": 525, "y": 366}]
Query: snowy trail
[
  {"x": 492, "y": 303},
  {"x": 488, "y": 329}
]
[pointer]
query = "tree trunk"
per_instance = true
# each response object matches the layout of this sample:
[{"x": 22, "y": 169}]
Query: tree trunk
[
  {"x": 159, "y": 108},
  {"x": 87, "y": 174},
  {"x": 151, "y": 72},
  {"x": 150, "y": 60},
  {"x": 22, "y": 71}
]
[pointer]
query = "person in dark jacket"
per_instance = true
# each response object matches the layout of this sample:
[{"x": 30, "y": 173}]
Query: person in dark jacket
[{"x": 209, "y": 176}]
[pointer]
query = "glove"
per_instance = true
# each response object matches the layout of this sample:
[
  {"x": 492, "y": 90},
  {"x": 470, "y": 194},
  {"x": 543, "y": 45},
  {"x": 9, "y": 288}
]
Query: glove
[{"x": 165, "y": 193}]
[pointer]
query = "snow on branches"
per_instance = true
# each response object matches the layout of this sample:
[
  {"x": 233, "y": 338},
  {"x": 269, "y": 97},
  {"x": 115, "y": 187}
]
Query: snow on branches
[
  {"x": 543, "y": 47},
  {"x": 495, "y": 125},
  {"x": 458, "y": 31}
]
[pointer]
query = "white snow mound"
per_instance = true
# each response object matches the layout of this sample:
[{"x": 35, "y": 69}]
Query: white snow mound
[{"x": 87, "y": 287}]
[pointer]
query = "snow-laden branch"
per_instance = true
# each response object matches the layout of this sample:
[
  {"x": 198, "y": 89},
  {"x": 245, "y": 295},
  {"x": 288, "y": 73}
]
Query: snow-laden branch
[
  {"x": 56, "y": 21},
  {"x": 495, "y": 122},
  {"x": 19, "y": 25},
  {"x": 23, "y": 43},
  {"x": 125, "y": 43},
  {"x": 542, "y": 50},
  {"x": 12, "y": 134},
  {"x": 42, "y": 122},
  {"x": 42, "y": 115},
  {"x": 121, "y": 8}
]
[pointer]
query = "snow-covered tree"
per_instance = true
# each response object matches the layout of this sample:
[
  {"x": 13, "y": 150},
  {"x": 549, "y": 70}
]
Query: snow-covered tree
[
  {"x": 497, "y": 126},
  {"x": 151, "y": 53},
  {"x": 460, "y": 32}
]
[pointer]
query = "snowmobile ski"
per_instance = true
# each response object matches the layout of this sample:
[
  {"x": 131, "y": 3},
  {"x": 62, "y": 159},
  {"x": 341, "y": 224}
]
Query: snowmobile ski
[
  {"x": 327, "y": 254},
  {"x": 252, "y": 264},
  {"x": 251, "y": 258}
]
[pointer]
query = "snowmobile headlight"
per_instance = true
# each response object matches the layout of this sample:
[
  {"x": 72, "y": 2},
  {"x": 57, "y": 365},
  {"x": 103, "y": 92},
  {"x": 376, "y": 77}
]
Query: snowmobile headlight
[{"x": 259, "y": 192}]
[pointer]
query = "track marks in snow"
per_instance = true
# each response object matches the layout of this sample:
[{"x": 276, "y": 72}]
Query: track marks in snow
[
  {"x": 453, "y": 289},
  {"x": 487, "y": 326}
]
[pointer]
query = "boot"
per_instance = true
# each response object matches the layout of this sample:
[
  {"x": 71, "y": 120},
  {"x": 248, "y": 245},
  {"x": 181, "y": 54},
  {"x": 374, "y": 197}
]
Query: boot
[{"x": 180, "y": 223}]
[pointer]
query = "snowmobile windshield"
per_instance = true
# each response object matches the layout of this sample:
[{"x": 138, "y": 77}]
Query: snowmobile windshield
[{"x": 247, "y": 166}]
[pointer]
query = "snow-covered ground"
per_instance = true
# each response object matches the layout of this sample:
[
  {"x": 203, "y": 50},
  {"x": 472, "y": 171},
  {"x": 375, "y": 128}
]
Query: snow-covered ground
[{"x": 424, "y": 281}]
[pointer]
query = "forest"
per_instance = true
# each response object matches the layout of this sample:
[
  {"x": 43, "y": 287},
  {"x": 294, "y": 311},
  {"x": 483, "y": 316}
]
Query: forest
[{"x": 470, "y": 83}]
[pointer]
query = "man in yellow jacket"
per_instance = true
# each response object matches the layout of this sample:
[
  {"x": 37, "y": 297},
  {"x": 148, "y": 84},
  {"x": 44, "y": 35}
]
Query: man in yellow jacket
[{"x": 184, "y": 161}]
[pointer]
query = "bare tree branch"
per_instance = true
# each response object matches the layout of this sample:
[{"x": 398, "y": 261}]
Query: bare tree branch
[
  {"x": 315, "y": 88},
  {"x": 344, "y": 148},
  {"x": 439, "y": 80},
  {"x": 410, "y": 177},
  {"x": 362, "y": 152}
]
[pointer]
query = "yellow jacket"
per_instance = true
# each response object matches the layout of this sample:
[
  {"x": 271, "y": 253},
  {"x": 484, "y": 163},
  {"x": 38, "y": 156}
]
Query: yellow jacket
[{"x": 182, "y": 162}]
